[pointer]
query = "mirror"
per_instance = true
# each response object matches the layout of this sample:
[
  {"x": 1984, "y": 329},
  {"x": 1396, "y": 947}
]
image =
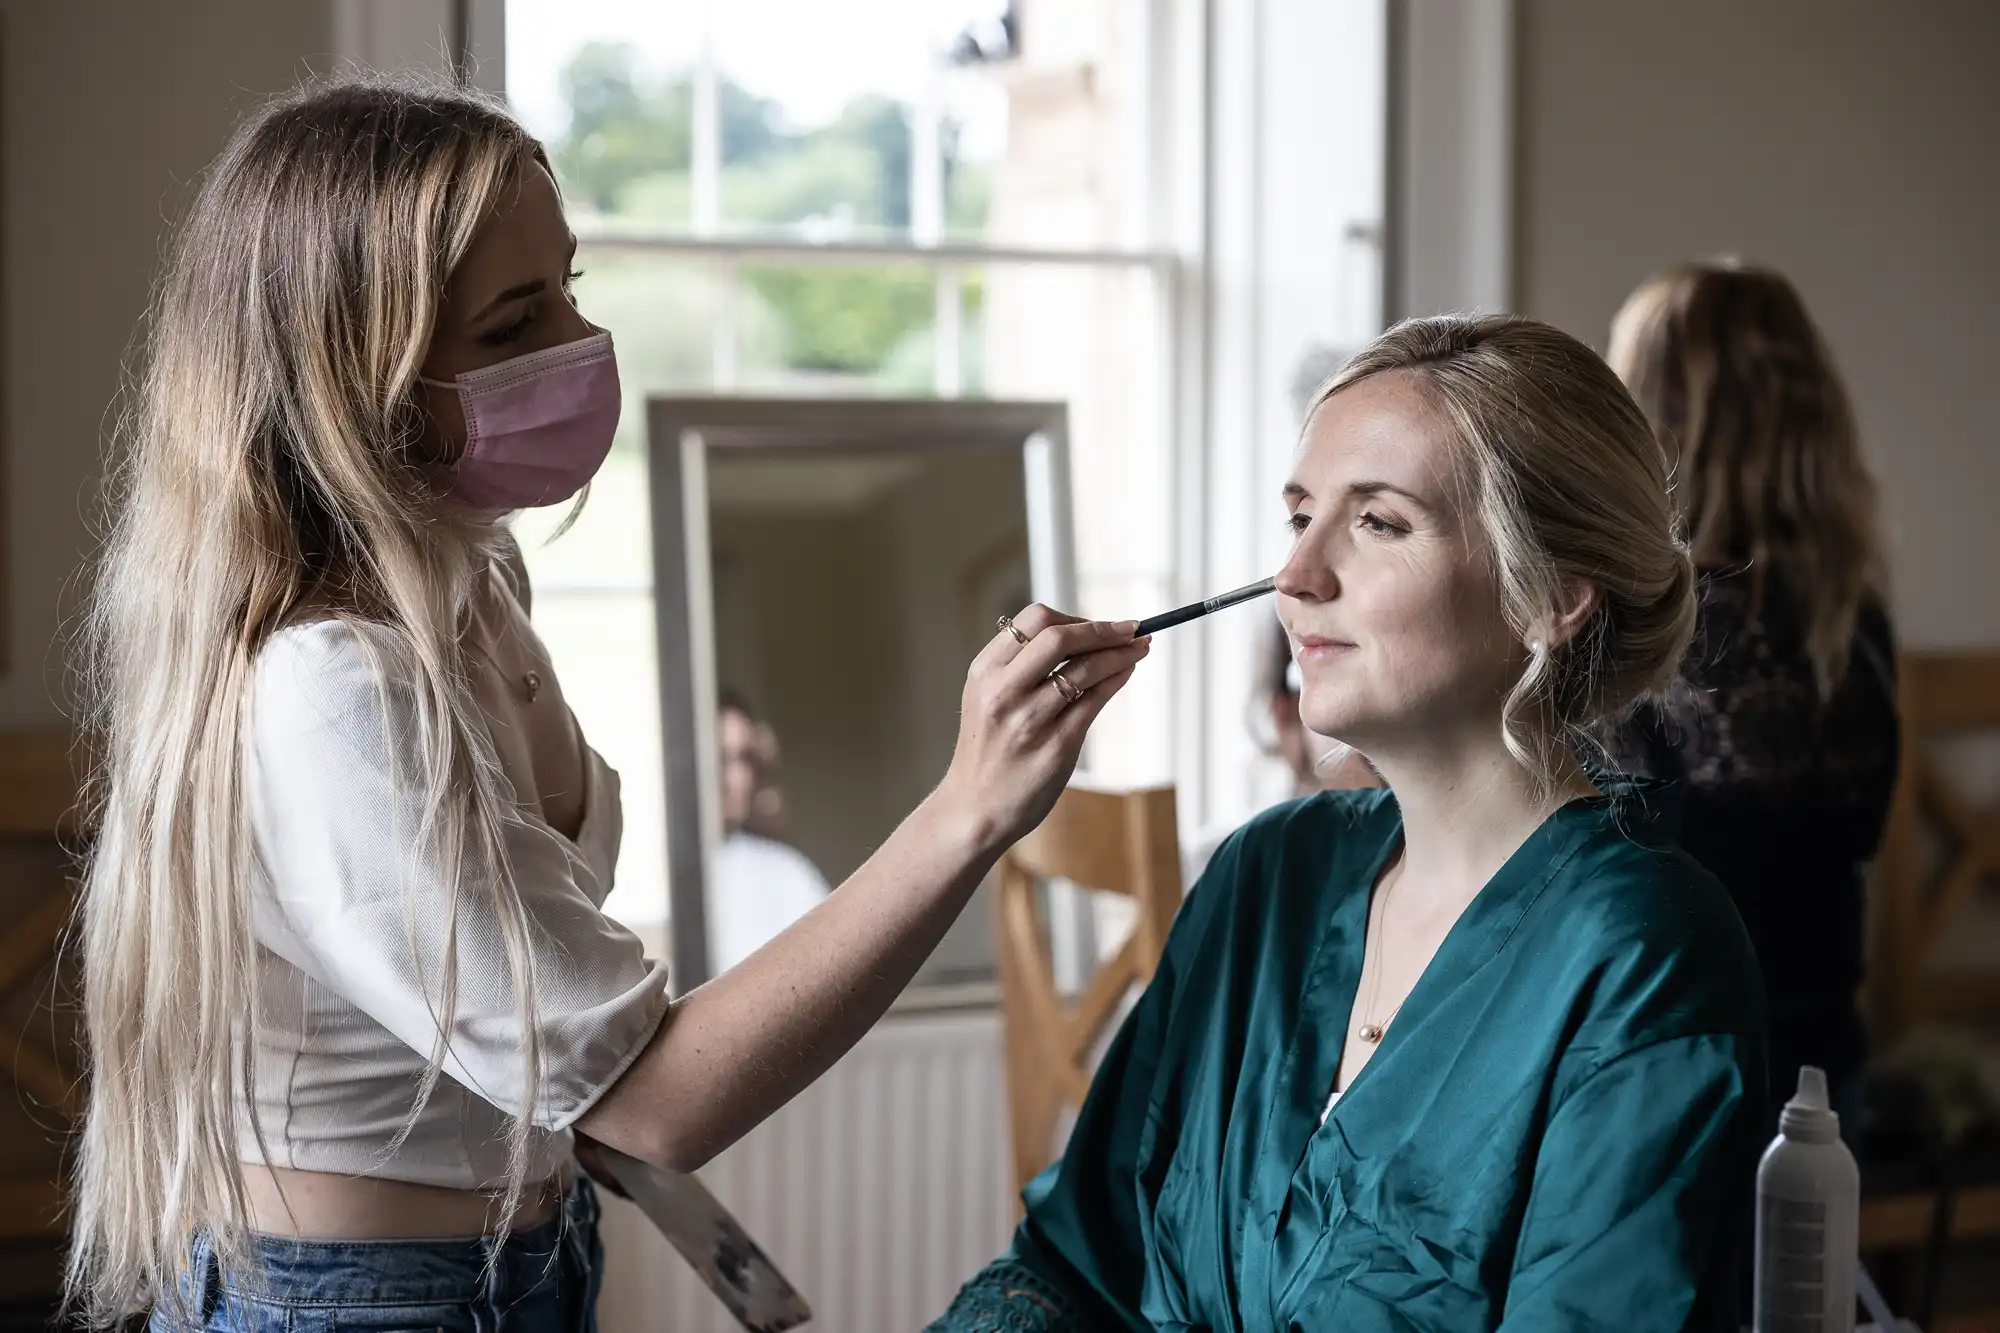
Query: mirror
[{"x": 834, "y": 568}]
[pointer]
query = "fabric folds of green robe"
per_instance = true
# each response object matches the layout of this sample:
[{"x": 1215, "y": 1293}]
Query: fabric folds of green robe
[{"x": 1559, "y": 1130}]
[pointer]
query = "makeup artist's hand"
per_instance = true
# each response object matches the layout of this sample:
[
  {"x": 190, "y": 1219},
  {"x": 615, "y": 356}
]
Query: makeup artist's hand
[
  {"x": 1018, "y": 734},
  {"x": 735, "y": 1050}
]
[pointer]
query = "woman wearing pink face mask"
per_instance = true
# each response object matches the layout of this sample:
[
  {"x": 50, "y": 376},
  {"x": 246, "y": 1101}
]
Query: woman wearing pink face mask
[{"x": 350, "y": 998}]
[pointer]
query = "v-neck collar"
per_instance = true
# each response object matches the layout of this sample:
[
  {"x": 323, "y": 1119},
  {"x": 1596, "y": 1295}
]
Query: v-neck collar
[
  {"x": 1319, "y": 1028},
  {"x": 1481, "y": 930}
]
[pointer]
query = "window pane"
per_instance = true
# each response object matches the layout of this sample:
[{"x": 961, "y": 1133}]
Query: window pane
[
  {"x": 870, "y": 120},
  {"x": 626, "y": 150},
  {"x": 973, "y": 132},
  {"x": 816, "y": 328},
  {"x": 662, "y": 310},
  {"x": 1051, "y": 143}
]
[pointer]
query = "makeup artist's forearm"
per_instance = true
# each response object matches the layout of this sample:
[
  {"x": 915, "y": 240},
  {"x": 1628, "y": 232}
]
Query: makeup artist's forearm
[{"x": 735, "y": 1050}]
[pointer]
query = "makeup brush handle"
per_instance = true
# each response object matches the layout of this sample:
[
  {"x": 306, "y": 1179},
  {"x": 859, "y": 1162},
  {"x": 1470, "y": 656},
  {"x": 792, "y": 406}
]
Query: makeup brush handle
[
  {"x": 1169, "y": 619},
  {"x": 1180, "y": 615}
]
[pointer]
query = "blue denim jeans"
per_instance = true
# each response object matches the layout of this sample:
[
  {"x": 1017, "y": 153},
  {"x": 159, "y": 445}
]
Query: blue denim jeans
[{"x": 545, "y": 1281}]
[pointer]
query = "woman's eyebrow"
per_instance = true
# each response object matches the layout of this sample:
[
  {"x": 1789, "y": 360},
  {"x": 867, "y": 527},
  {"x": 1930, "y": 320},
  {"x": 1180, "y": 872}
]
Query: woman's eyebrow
[
  {"x": 515, "y": 293},
  {"x": 522, "y": 290},
  {"x": 1372, "y": 487},
  {"x": 1294, "y": 492}
]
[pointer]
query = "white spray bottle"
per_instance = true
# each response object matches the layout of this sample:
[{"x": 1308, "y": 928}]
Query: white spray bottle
[{"x": 1808, "y": 1212}]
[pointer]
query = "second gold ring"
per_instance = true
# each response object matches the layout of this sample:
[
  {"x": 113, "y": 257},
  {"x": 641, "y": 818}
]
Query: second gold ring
[{"x": 1069, "y": 692}]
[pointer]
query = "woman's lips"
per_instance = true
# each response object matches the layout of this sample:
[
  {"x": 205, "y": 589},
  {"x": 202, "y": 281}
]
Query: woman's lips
[{"x": 1317, "y": 648}]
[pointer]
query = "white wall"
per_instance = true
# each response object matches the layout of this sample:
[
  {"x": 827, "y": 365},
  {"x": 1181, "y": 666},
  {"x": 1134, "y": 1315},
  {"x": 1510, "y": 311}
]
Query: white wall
[
  {"x": 111, "y": 108},
  {"x": 390, "y": 35},
  {"x": 1852, "y": 143},
  {"x": 109, "y": 111},
  {"x": 1451, "y": 171}
]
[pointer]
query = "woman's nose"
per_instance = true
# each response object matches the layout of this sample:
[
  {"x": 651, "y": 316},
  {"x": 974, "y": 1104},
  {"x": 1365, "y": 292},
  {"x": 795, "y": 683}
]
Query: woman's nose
[{"x": 1308, "y": 572}]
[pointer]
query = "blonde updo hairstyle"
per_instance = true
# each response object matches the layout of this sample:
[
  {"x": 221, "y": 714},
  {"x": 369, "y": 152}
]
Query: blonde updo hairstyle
[{"x": 1569, "y": 483}]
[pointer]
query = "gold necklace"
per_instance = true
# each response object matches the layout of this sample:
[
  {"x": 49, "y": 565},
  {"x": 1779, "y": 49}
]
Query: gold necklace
[
  {"x": 530, "y": 680},
  {"x": 1372, "y": 1032}
]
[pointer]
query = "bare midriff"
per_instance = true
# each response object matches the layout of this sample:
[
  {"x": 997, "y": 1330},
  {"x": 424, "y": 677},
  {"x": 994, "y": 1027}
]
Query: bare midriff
[{"x": 318, "y": 1205}]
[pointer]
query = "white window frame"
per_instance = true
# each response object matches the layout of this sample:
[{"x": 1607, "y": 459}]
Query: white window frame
[{"x": 727, "y": 259}]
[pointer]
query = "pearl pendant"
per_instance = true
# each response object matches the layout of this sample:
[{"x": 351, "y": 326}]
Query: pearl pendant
[
  {"x": 533, "y": 682},
  {"x": 1370, "y": 1032}
]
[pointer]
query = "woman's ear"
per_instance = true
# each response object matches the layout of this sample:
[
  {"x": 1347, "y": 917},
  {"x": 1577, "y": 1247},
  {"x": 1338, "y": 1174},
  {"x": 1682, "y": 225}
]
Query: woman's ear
[{"x": 1576, "y": 602}]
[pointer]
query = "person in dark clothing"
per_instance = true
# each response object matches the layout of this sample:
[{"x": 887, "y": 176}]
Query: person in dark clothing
[{"x": 1785, "y": 737}]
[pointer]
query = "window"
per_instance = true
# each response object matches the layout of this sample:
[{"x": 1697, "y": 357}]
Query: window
[{"x": 885, "y": 197}]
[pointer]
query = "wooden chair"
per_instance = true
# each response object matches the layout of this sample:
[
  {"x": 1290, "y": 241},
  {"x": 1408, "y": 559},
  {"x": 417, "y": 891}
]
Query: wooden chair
[
  {"x": 1125, "y": 843},
  {"x": 1939, "y": 852},
  {"x": 1921, "y": 896},
  {"x": 40, "y": 1092}
]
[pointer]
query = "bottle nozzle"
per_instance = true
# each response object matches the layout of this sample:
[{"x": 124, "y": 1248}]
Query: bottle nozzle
[{"x": 1809, "y": 1115}]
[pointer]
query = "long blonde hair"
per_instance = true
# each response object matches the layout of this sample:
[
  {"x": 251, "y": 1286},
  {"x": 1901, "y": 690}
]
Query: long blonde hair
[
  {"x": 270, "y": 473},
  {"x": 1568, "y": 484},
  {"x": 1741, "y": 387}
]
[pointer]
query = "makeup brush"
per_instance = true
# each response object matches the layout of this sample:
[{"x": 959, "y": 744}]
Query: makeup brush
[{"x": 1196, "y": 610}]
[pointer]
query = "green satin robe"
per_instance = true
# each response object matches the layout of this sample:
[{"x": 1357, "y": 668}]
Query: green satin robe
[{"x": 1559, "y": 1130}]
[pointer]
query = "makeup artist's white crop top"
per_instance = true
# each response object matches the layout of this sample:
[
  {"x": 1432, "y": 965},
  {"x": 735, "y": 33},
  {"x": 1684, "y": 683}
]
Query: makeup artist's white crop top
[{"x": 344, "y": 886}]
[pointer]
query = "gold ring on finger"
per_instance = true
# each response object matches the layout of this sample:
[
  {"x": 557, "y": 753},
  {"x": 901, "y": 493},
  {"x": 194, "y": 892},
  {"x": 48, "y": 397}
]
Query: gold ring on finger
[
  {"x": 1007, "y": 623},
  {"x": 1069, "y": 692}
]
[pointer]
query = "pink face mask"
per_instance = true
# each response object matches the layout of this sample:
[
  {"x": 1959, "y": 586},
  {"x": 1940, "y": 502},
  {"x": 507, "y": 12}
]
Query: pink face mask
[{"x": 537, "y": 427}]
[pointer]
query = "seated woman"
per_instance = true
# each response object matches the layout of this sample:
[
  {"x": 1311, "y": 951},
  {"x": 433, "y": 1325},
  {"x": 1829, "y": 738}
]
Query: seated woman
[{"x": 1483, "y": 1050}]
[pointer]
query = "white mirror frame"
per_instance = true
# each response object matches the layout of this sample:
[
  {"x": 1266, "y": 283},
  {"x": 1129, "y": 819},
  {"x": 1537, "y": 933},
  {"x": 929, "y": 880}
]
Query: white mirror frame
[{"x": 680, "y": 431}]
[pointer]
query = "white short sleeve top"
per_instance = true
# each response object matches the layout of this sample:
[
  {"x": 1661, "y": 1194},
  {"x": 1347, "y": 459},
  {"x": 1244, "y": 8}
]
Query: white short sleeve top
[{"x": 350, "y": 914}]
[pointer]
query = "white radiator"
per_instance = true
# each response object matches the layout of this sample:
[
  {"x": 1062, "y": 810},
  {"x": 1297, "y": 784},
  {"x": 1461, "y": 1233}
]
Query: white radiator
[{"x": 877, "y": 1192}]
